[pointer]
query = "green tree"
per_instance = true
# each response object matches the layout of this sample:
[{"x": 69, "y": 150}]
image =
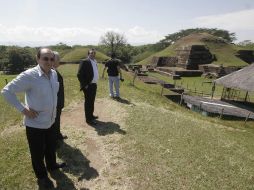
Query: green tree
[
  {"x": 247, "y": 43},
  {"x": 18, "y": 60},
  {"x": 224, "y": 34},
  {"x": 125, "y": 53},
  {"x": 3, "y": 56},
  {"x": 113, "y": 41}
]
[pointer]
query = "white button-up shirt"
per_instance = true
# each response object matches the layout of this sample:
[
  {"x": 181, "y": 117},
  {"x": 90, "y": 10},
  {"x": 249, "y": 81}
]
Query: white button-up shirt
[
  {"x": 40, "y": 95},
  {"x": 95, "y": 71}
]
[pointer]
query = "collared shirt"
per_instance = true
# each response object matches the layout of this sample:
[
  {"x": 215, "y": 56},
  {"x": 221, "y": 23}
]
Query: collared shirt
[
  {"x": 95, "y": 71},
  {"x": 40, "y": 95}
]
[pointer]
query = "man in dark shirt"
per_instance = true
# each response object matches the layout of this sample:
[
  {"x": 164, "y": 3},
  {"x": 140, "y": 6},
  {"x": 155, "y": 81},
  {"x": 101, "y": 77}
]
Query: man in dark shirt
[
  {"x": 88, "y": 76},
  {"x": 113, "y": 71},
  {"x": 60, "y": 98}
]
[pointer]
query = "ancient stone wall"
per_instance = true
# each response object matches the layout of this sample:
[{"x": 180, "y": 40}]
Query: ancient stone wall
[
  {"x": 218, "y": 71},
  {"x": 190, "y": 57},
  {"x": 246, "y": 55},
  {"x": 164, "y": 61}
]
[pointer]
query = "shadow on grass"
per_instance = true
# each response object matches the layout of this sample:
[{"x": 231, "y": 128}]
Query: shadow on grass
[
  {"x": 105, "y": 128},
  {"x": 123, "y": 101},
  {"x": 62, "y": 180},
  {"x": 77, "y": 163}
]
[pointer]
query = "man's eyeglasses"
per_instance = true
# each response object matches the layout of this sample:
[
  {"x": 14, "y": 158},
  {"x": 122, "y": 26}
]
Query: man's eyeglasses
[
  {"x": 48, "y": 59},
  {"x": 92, "y": 52}
]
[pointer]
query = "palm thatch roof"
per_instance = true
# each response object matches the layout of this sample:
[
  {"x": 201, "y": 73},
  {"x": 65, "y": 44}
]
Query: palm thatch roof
[{"x": 242, "y": 79}]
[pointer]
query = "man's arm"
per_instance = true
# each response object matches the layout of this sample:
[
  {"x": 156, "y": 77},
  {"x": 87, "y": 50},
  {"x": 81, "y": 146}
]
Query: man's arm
[
  {"x": 19, "y": 84},
  {"x": 81, "y": 74},
  {"x": 119, "y": 71}
]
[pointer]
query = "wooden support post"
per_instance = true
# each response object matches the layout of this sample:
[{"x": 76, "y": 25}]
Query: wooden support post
[
  {"x": 221, "y": 114},
  {"x": 181, "y": 101},
  {"x": 162, "y": 88},
  {"x": 6, "y": 81},
  {"x": 200, "y": 106},
  {"x": 247, "y": 117},
  {"x": 238, "y": 95},
  {"x": 246, "y": 96},
  {"x": 135, "y": 75},
  {"x": 213, "y": 89},
  {"x": 222, "y": 94}
]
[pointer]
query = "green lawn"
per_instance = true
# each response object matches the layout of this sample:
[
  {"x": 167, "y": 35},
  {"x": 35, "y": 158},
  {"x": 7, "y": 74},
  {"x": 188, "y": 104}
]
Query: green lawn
[
  {"x": 166, "y": 146},
  {"x": 81, "y": 53}
]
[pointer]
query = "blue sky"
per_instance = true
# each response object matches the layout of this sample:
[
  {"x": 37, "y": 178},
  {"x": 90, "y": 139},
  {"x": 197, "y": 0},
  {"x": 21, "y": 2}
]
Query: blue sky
[{"x": 45, "y": 22}]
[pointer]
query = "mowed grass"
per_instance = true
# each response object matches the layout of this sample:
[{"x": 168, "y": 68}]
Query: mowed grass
[
  {"x": 8, "y": 116},
  {"x": 173, "y": 149},
  {"x": 166, "y": 146},
  {"x": 225, "y": 53},
  {"x": 199, "y": 86},
  {"x": 81, "y": 53}
]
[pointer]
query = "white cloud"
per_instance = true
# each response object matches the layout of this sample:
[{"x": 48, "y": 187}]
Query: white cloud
[
  {"x": 140, "y": 36},
  {"x": 26, "y": 35},
  {"x": 240, "y": 22}
]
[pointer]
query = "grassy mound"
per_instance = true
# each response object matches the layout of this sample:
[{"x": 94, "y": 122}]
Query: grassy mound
[
  {"x": 81, "y": 53},
  {"x": 224, "y": 52}
]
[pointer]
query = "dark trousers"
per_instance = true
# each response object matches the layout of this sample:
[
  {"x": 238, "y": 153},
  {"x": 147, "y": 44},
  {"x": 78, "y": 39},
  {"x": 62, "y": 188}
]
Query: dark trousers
[
  {"x": 89, "y": 94},
  {"x": 42, "y": 145},
  {"x": 57, "y": 123}
]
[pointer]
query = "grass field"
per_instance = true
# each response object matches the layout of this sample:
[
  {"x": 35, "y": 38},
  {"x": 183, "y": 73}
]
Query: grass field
[
  {"x": 80, "y": 53},
  {"x": 225, "y": 53},
  {"x": 166, "y": 146}
]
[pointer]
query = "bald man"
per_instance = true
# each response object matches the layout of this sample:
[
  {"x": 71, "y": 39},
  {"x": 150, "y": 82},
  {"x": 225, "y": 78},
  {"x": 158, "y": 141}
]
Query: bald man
[{"x": 40, "y": 86}]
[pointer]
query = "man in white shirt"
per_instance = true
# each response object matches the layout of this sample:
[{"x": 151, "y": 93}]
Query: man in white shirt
[
  {"x": 40, "y": 86},
  {"x": 88, "y": 77}
]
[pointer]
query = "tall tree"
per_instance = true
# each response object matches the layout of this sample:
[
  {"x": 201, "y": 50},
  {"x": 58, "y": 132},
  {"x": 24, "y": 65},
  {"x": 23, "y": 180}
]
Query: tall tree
[{"x": 113, "y": 41}]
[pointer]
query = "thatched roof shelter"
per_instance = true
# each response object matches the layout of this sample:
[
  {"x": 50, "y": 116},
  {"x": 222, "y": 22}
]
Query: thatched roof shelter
[{"x": 242, "y": 79}]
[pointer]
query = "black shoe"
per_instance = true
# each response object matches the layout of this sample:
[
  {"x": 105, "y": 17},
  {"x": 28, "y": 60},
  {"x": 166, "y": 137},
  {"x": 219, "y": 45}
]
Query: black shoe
[
  {"x": 45, "y": 183},
  {"x": 95, "y": 117},
  {"x": 117, "y": 98},
  {"x": 57, "y": 166},
  {"x": 92, "y": 122},
  {"x": 65, "y": 137},
  {"x": 62, "y": 137}
]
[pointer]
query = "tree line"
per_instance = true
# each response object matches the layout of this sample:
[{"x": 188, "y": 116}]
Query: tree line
[{"x": 14, "y": 59}]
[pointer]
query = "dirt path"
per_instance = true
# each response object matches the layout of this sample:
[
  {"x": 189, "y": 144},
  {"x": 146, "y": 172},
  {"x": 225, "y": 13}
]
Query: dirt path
[{"x": 93, "y": 154}]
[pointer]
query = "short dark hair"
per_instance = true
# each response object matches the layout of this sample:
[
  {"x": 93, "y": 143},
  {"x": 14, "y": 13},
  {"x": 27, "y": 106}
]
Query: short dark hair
[
  {"x": 39, "y": 51},
  {"x": 90, "y": 50}
]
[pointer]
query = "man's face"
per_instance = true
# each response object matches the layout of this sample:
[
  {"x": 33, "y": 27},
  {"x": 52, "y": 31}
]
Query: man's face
[
  {"x": 92, "y": 54},
  {"x": 56, "y": 63},
  {"x": 46, "y": 60}
]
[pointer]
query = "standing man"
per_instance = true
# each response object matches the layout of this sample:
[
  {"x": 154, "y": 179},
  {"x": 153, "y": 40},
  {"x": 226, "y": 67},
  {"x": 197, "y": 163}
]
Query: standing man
[
  {"x": 88, "y": 77},
  {"x": 40, "y": 86},
  {"x": 113, "y": 71},
  {"x": 60, "y": 98}
]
